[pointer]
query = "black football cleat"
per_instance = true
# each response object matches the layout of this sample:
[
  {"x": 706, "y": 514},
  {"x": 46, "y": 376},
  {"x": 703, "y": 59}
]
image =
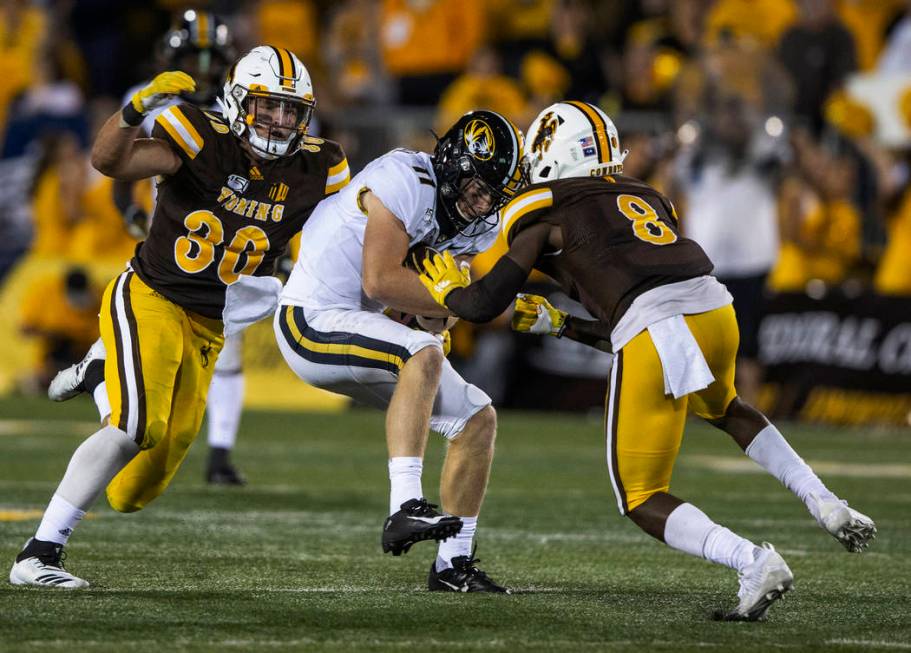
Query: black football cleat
[
  {"x": 463, "y": 576},
  {"x": 220, "y": 470},
  {"x": 415, "y": 522}
]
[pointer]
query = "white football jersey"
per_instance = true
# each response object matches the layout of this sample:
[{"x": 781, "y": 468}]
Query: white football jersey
[{"x": 328, "y": 272}]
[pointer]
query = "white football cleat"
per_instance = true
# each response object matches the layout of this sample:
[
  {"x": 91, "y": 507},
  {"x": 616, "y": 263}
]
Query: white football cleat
[
  {"x": 41, "y": 564},
  {"x": 69, "y": 382},
  {"x": 761, "y": 584},
  {"x": 853, "y": 529}
]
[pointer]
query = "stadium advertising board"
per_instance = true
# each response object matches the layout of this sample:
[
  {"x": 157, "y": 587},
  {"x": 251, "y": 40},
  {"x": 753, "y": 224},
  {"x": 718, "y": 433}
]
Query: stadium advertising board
[{"x": 838, "y": 359}]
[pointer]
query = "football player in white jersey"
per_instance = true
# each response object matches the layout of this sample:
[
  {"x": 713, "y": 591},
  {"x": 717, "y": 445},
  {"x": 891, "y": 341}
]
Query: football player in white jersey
[
  {"x": 334, "y": 330},
  {"x": 200, "y": 45}
]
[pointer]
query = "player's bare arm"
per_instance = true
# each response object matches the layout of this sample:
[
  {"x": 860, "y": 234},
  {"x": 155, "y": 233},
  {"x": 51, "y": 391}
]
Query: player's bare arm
[
  {"x": 117, "y": 151},
  {"x": 384, "y": 278}
]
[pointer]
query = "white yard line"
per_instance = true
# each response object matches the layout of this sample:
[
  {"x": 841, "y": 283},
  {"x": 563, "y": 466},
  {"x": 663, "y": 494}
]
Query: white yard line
[
  {"x": 744, "y": 465},
  {"x": 869, "y": 643},
  {"x": 13, "y": 427}
]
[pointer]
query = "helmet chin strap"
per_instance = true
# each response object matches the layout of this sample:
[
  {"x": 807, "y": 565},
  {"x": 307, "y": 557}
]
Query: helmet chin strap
[
  {"x": 448, "y": 228},
  {"x": 263, "y": 152}
]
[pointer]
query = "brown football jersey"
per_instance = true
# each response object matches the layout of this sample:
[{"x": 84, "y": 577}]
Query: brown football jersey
[
  {"x": 223, "y": 214},
  {"x": 620, "y": 239}
]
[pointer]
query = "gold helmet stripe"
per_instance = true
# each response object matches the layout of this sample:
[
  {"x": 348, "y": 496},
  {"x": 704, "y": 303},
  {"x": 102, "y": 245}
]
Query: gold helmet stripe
[
  {"x": 286, "y": 68},
  {"x": 598, "y": 126},
  {"x": 513, "y": 184},
  {"x": 202, "y": 29}
]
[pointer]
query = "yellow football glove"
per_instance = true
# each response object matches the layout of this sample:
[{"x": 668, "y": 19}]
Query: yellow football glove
[
  {"x": 534, "y": 314},
  {"x": 442, "y": 275},
  {"x": 157, "y": 93}
]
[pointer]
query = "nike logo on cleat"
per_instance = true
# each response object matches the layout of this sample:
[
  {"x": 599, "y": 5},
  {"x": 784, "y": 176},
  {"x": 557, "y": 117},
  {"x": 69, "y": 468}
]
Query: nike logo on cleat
[
  {"x": 428, "y": 520},
  {"x": 454, "y": 588}
]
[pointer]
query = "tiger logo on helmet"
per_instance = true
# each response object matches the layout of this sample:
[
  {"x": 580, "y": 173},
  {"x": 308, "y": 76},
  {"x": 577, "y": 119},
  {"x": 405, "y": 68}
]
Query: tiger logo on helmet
[
  {"x": 479, "y": 140},
  {"x": 480, "y": 155}
]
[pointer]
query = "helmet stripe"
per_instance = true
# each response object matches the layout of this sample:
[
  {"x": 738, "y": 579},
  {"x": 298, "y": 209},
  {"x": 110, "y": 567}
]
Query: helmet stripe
[
  {"x": 202, "y": 29},
  {"x": 598, "y": 126},
  {"x": 286, "y": 69},
  {"x": 281, "y": 63},
  {"x": 288, "y": 65},
  {"x": 512, "y": 178}
]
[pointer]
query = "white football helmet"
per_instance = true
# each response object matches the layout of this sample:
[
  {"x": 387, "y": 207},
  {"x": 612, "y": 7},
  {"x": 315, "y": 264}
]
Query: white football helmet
[
  {"x": 269, "y": 97},
  {"x": 572, "y": 139}
]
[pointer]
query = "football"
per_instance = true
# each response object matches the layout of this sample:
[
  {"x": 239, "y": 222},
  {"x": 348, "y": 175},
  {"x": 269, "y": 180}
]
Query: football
[
  {"x": 436, "y": 324},
  {"x": 414, "y": 260}
]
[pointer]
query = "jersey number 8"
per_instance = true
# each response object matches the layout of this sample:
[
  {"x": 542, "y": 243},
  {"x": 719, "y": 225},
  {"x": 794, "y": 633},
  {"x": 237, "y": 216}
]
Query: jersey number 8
[
  {"x": 646, "y": 225},
  {"x": 195, "y": 252}
]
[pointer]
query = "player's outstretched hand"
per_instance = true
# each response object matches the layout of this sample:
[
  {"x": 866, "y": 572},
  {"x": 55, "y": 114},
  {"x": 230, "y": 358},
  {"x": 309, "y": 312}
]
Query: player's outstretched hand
[
  {"x": 534, "y": 314},
  {"x": 443, "y": 274}
]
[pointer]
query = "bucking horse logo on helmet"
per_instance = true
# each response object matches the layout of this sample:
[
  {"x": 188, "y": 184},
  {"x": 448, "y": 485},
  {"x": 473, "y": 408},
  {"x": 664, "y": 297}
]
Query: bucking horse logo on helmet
[
  {"x": 479, "y": 140},
  {"x": 541, "y": 142}
]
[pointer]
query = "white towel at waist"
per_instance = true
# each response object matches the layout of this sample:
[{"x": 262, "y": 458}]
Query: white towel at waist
[
  {"x": 248, "y": 300},
  {"x": 685, "y": 369}
]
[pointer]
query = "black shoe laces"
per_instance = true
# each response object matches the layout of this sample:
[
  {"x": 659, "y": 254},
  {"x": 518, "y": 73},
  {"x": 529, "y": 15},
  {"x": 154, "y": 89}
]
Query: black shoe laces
[
  {"x": 424, "y": 509},
  {"x": 469, "y": 565},
  {"x": 53, "y": 559}
]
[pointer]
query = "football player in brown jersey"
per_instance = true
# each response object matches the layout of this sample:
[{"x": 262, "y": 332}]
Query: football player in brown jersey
[
  {"x": 200, "y": 44},
  {"x": 235, "y": 188},
  {"x": 613, "y": 244}
]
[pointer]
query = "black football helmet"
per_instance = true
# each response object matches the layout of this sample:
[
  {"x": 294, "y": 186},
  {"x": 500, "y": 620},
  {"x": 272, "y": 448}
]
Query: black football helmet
[
  {"x": 478, "y": 166},
  {"x": 200, "y": 45}
]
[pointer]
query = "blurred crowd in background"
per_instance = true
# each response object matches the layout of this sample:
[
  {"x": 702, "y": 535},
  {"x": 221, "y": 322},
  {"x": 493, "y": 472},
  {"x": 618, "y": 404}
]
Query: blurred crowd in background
[{"x": 780, "y": 128}]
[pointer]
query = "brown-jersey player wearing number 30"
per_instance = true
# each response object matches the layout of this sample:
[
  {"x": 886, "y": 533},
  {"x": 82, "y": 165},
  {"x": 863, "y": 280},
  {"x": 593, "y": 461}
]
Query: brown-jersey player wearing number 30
[
  {"x": 613, "y": 244},
  {"x": 235, "y": 188}
]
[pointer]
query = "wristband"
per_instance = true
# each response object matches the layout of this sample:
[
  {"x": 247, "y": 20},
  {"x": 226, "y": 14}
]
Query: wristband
[{"x": 130, "y": 116}]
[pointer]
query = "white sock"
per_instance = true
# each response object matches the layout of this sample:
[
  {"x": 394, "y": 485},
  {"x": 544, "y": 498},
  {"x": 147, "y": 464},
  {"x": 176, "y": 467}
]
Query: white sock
[
  {"x": 94, "y": 463},
  {"x": 224, "y": 405},
  {"x": 100, "y": 395},
  {"x": 775, "y": 455},
  {"x": 690, "y": 530},
  {"x": 460, "y": 545},
  {"x": 60, "y": 518},
  {"x": 404, "y": 481}
]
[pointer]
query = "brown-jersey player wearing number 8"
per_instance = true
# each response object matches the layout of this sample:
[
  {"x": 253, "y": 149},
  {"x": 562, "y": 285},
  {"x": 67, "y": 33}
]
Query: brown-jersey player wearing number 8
[
  {"x": 234, "y": 189},
  {"x": 613, "y": 244}
]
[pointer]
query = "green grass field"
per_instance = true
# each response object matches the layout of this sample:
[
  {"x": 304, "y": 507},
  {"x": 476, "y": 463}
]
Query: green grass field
[{"x": 293, "y": 562}]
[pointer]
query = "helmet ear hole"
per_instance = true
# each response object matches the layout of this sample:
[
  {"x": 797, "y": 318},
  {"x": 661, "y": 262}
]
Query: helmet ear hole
[{"x": 545, "y": 172}]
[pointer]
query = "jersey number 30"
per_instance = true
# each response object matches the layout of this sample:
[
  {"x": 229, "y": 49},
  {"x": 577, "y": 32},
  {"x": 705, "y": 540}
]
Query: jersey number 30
[
  {"x": 196, "y": 251},
  {"x": 646, "y": 225}
]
